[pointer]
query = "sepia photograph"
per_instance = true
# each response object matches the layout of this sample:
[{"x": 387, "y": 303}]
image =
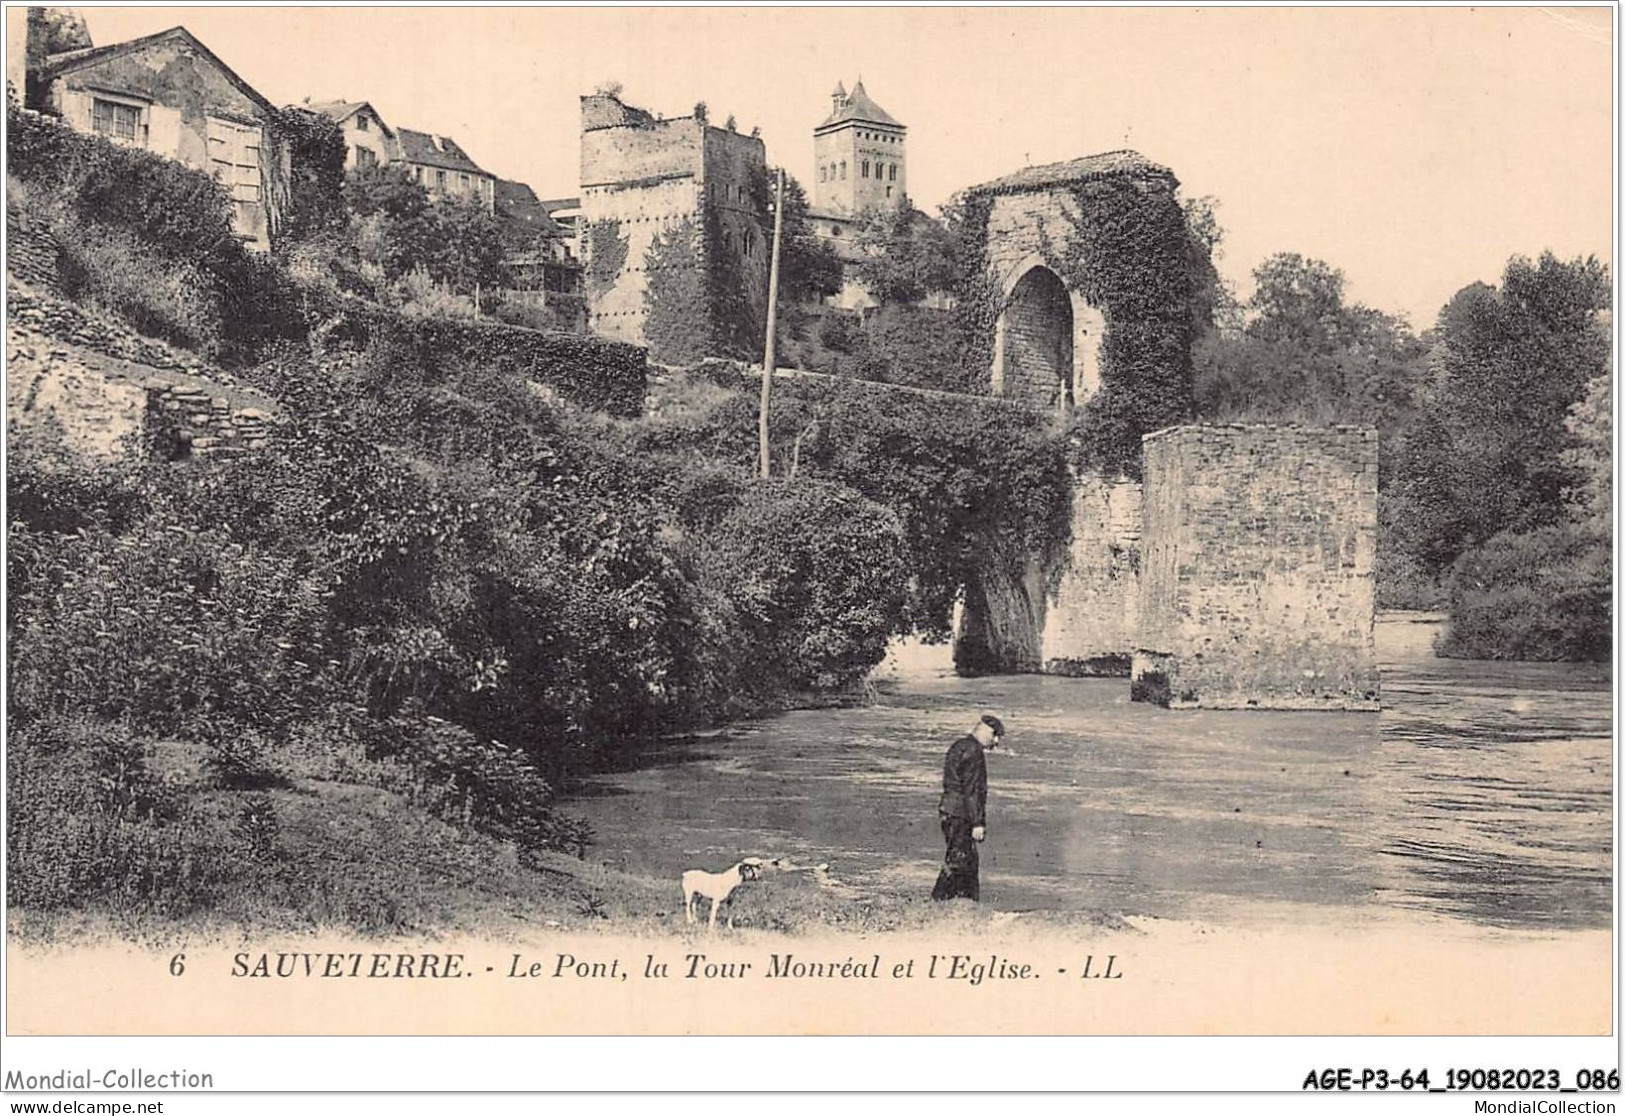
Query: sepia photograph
[{"x": 792, "y": 521}]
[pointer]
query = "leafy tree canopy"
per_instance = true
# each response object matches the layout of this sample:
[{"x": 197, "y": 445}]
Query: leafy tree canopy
[{"x": 906, "y": 255}]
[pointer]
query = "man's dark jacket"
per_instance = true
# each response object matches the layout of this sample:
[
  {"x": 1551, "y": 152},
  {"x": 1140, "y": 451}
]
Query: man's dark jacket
[{"x": 964, "y": 782}]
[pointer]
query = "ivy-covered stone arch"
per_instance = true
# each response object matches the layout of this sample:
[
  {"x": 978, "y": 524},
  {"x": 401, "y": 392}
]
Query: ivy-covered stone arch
[
  {"x": 1046, "y": 340},
  {"x": 1110, "y": 228}
]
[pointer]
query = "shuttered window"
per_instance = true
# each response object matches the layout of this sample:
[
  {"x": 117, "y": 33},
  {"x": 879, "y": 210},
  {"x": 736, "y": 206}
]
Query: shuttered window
[{"x": 234, "y": 153}]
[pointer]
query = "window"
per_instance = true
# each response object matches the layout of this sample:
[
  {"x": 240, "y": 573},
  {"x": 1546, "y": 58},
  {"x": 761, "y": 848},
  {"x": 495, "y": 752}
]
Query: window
[
  {"x": 843, "y": 170},
  {"x": 361, "y": 122},
  {"x": 823, "y": 174},
  {"x": 120, "y": 121},
  {"x": 894, "y": 172},
  {"x": 462, "y": 181},
  {"x": 365, "y": 159},
  {"x": 866, "y": 168},
  {"x": 439, "y": 180},
  {"x": 888, "y": 191}
]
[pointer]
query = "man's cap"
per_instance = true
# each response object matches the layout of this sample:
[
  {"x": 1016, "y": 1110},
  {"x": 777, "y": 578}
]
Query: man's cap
[{"x": 993, "y": 723}]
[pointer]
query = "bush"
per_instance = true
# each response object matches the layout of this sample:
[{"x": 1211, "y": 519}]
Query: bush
[
  {"x": 150, "y": 240},
  {"x": 465, "y": 780},
  {"x": 175, "y": 211},
  {"x": 567, "y": 312},
  {"x": 113, "y": 271},
  {"x": 816, "y": 574},
  {"x": 917, "y": 347},
  {"x": 418, "y": 296},
  {"x": 972, "y": 483},
  {"x": 1544, "y": 595},
  {"x": 588, "y": 371},
  {"x": 88, "y": 823}
]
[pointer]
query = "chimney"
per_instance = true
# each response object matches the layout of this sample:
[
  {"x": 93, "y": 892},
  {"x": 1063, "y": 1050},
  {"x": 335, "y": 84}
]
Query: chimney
[{"x": 26, "y": 46}]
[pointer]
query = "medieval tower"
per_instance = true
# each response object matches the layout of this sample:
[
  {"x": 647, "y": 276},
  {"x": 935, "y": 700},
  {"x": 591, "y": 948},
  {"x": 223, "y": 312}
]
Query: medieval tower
[
  {"x": 647, "y": 182},
  {"x": 862, "y": 165}
]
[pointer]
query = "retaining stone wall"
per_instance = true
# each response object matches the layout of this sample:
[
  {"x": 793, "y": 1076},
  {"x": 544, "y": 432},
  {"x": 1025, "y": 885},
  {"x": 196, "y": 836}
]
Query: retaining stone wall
[{"x": 106, "y": 386}]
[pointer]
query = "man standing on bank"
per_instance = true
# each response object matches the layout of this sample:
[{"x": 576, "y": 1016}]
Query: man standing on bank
[{"x": 963, "y": 809}]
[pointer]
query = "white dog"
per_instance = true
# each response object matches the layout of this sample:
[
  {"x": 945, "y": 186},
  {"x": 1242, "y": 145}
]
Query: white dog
[{"x": 718, "y": 887}]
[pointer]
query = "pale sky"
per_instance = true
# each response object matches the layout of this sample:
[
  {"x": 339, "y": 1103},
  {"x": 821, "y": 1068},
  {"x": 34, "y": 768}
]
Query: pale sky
[{"x": 1414, "y": 149}]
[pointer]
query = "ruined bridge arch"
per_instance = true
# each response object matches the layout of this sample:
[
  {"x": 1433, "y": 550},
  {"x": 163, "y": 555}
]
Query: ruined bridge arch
[
  {"x": 1047, "y": 335},
  {"x": 1046, "y": 341}
]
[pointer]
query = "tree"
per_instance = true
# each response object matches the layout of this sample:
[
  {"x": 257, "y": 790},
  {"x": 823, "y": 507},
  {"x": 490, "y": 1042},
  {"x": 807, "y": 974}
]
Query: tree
[
  {"x": 468, "y": 248},
  {"x": 316, "y": 152},
  {"x": 399, "y": 229},
  {"x": 1307, "y": 355},
  {"x": 1591, "y": 456},
  {"x": 390, "y": 219},
  {"x": 906, "y": 255},
  {"x": 1511, "y": 363},
  {"x": 1299, "y": 301},
  {"x": 809, "y": 269},
  {"x": 1215, "y": 305}
]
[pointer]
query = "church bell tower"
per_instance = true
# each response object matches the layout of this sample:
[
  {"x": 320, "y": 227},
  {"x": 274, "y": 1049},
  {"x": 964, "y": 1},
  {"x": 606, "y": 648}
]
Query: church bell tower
[{"x": 861, "y": 156}]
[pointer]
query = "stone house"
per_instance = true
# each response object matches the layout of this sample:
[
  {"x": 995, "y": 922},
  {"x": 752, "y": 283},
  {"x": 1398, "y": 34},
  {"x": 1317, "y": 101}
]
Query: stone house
[
  {"x": 367, "y": 138},
  {"x": 169, "y": 94},
  {"x": 437, "y": 162},
  {"x": 444, "y": 168},
  {"x": 643, "y": 176}
]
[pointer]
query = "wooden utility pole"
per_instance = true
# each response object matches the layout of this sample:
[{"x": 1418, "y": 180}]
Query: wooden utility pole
[{"x": 770, "y": 360}]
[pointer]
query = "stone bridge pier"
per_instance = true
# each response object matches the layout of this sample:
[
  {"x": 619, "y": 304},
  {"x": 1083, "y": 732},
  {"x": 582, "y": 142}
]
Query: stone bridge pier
[{"x": 1240, "y": 574}]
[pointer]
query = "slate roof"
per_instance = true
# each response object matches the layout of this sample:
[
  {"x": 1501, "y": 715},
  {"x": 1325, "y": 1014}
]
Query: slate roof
[
  {"x": 421, "y": 147},
  {"x": 859, "y": 107},
  {"x": 524, "y": 218},
  {"x": 70, "y": 60},
  {"x": 1103, "y": 165}
]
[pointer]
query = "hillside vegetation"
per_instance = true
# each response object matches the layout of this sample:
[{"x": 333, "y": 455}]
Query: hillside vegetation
[{"x": 340, "y": 680}]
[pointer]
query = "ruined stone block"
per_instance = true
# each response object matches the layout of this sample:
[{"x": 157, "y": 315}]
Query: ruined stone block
[{"x": 1257, "y": 582}]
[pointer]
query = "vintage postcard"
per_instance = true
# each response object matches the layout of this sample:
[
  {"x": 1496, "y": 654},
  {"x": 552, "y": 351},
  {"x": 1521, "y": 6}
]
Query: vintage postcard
[{"x": 1163, "y": 587}]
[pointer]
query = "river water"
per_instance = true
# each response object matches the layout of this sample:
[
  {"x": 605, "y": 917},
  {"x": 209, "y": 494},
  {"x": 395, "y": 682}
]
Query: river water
[{"x": 1481, "y": 792}]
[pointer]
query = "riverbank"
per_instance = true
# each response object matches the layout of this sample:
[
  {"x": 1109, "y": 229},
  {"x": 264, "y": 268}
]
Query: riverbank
[{"x": 1481, "y": 793}]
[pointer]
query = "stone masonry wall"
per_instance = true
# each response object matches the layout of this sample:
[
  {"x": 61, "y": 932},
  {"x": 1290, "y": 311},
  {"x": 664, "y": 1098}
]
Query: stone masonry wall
[
  {"x": 1020, "y": 226},
  {"x": 31, "y": 251},
  {"x": 1091, "y": 620},
  {"x": 105, "y": 386},
  {"x": 647, "y": 177},
  {"x": 1023, "y": 228},
  {"x": 1257, "y": 577},
  {"x": 642, "y": 213}
]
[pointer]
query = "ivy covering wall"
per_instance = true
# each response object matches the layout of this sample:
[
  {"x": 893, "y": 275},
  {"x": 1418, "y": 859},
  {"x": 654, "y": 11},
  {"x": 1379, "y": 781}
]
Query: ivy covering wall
[
  {"x": 1124, "y": 245},
  {"x": 606, "y": 255},
  {"x": 695, "y": 301}
]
